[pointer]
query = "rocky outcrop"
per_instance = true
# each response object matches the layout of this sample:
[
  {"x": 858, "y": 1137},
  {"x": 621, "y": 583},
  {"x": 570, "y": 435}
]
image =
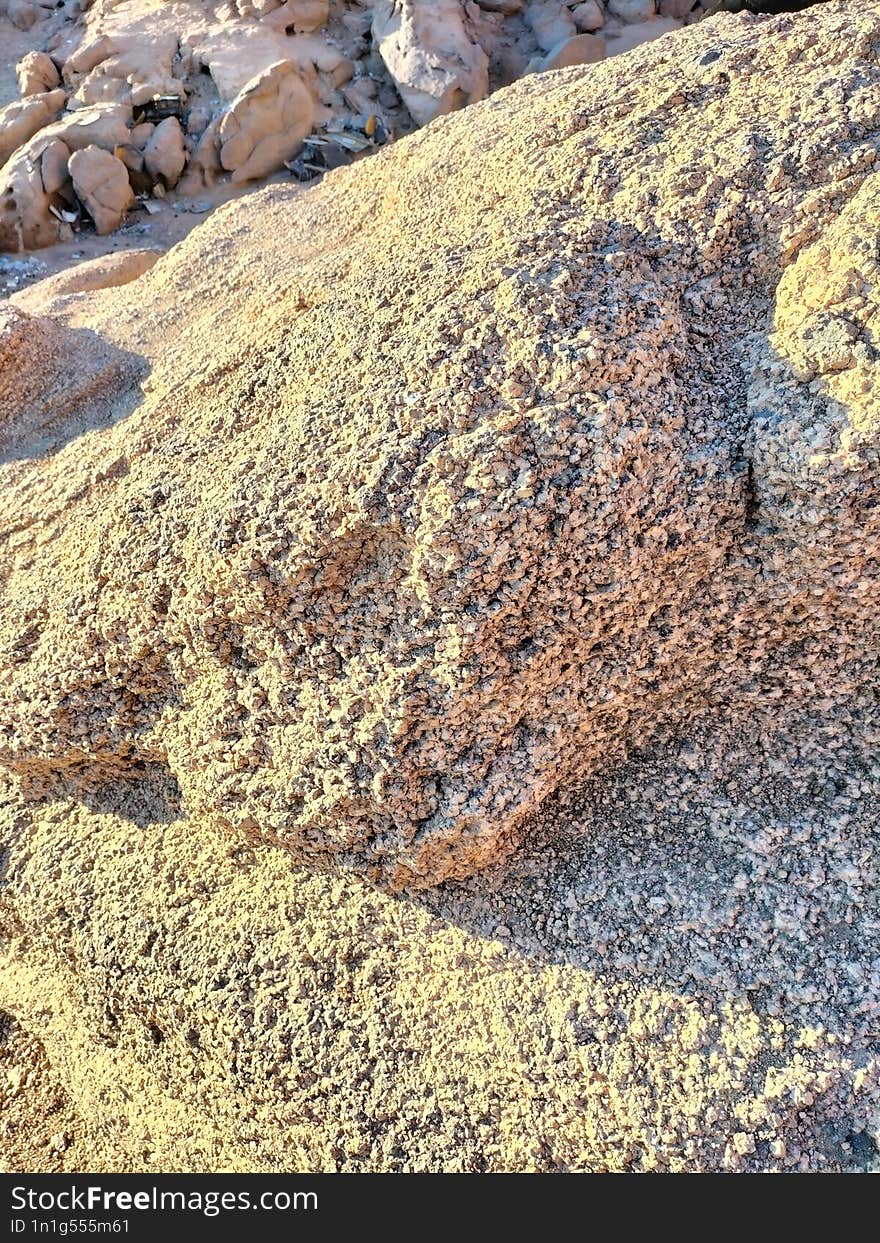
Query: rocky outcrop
[
  {"x": 101, "y": 183},
  {"x": 477, "y": 557},
  {"x": 210, "y": 70},
  {"x": 410, "y": 500},
  {"x": 34, "y": 175}
]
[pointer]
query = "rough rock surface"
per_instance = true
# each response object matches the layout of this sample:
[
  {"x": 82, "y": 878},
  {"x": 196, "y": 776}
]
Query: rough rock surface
[
  {"x": 37, "y": 73},
  {"x": 569, "y": 475},
  {"x": 435, "y": 64},
  {"x": 101, "y": 182},
  {"x": 509, "y": 559},
  {"x": 266, "y": 123},
  {"x": 20, "y": 121}
]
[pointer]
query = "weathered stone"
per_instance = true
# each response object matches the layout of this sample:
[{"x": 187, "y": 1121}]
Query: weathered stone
[
  {"x": 101, "y": 183},
  {"x": 20, "y": 120},
  {"x": 632, "y": 10},
  {"x": 588, "y": 16},
  {"x": 299, "y": 16},
  {"x": 435, "y": 65},
  {"x": 164, "y": 154},
  {"x": 552, "y": 24},
  {"x": 53, "y": 166},
  {"x": 579, "y": 50},
  {"x": 266, "y": 123},
  {"x": 678, "y": 9},
  {"x": 37, "y": 73},
  {"x": 105, "y": 272}
]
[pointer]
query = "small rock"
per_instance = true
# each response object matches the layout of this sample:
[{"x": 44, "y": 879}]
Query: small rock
[
  {"x": 552, "y": 24},
  {"x": 579, "y": 50},
  {"x": 141, "y": 134},
  {"x": 632, "y": 10},
  {"x": 53, "y": 166},
  {"x": 36, "y": 73},
  {"x": 20, "y": 120},
  {"x": 588, "y": 16}
]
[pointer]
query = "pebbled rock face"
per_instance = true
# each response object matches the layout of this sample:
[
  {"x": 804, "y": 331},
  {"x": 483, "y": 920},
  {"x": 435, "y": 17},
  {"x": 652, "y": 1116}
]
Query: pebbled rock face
[{"x": 543, "y": 460}]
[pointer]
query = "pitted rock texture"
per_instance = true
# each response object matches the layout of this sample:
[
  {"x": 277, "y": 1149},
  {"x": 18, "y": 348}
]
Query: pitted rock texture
[{"x": 529, "y": 468}]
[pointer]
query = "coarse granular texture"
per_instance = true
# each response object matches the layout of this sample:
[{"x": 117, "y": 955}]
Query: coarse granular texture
[
  {"x": 446, "y": 490},
  {"x": 679, "y": 971},
  {"x": 516, "y": 486}
]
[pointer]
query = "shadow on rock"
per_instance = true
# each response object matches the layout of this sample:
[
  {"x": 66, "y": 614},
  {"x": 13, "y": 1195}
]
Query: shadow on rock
[{"x": 58, "y": 382}]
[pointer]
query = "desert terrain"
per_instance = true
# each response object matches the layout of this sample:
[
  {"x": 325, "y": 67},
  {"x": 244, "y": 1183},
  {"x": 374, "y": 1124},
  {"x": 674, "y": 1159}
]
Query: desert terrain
[{"x": 438, "y": 590}]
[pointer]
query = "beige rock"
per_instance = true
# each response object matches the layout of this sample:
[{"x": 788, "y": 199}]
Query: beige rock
[
  {"x": 25, "y": 13},
  {"x": 580, "y": 50},
  {"x": 101, "y": 182},
  {"x": 26, "y": 221},
  {"x": 266, "y": 123},
  {"x": 37, "y": 73},
  {"x": 20, "y": 120},
  {"x": 87, "y": 57},
  {"x": 144, "y": 92},
  {"x": 508, "y": 7},
  {"x": 435, "y": 65},
  {"x": 164, "y": 154},
  {"x": 141, "y": 134},
  {"x": 99, "y": 87},
  {"x": 547, "y": 438},
  {"x": 104, "y": 126},
  {"x": 53, "y": 166},
  {"x": 552, "y": 24},
  {"x": 204, "y": 165},
  {"x": 299, "y": 16},
  {"x": 488, "y": 552},
  {"x": 589, "y": 16},
  {"x": 51, "y": 376},
  {"x": 632, "y": 10}
]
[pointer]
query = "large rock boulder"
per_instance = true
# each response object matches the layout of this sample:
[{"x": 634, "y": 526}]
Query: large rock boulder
[
  {"x": 102, "y": 185},
  {"x": 266, "y": 123},
  {"x": 435, "y": 64},
  {"x": 19, "y": 121},
  {"x": 541, "y": 460}
]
